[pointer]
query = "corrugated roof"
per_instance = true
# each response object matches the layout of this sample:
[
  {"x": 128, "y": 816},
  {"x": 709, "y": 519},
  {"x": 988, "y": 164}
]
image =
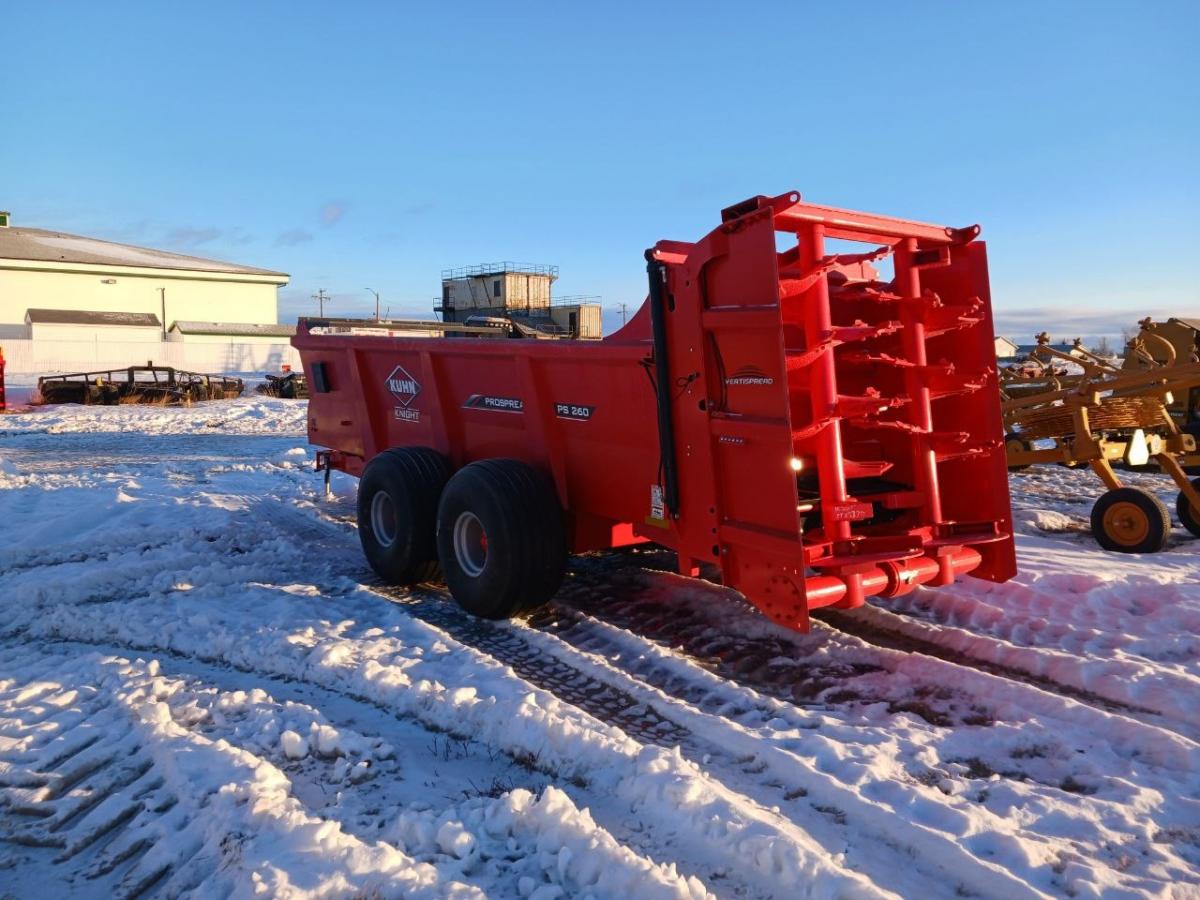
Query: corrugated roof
[
  {"x": 1190, "y": 323},
  {"x": 90, "y": 317},
  {"x": 241, "y": 329},
  {"x": 55, "y": 246}
]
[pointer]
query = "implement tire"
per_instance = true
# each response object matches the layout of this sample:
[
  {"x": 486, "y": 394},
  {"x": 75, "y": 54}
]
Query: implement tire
[
  {"x": 1014, "y": 443},
  {"x": 397, "y": 513},
  {"x": 1188, "y": 517},
  {"x": 1130, "y": 520},
  {"x": 501, "y": 538}
]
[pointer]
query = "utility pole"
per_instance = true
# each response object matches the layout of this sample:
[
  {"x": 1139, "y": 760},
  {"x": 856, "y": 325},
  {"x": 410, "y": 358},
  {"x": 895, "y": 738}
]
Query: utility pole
[
  {"x": 623, "y": 308},
  {"x": 320, "y": 296},
  {"x": 376, "y": 293},
  {"x": 162, "y": 293}
]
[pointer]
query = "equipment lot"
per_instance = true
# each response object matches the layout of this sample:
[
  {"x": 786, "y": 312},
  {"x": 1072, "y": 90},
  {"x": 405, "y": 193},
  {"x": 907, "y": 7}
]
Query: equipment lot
[{"x": 200, "y": 680}]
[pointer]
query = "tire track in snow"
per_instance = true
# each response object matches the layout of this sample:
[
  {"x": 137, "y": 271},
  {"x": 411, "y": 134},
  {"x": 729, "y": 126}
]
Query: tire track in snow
[
  {"x": 894, "y": 632},
  {"x": 1129, "y": 734},
  {"x": 1109, "y": 683},
  {"x": 444, "y": 608},
  {"x": 605, "y": 702},
  {"x": 1140, "y": 743},
  {"x": 476, "y": 846},
  {"x": 752, "y": 840},
  {"x": 753, "y": 666},
  {"x": 92, "y": 799},
  {"x": 749, "y": 661},
  {"x": 732, "y": 756}
]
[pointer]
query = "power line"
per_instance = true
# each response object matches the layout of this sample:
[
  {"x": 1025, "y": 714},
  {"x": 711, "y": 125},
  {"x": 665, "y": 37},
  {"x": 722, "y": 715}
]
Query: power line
[{"x": 320, "y": 296}]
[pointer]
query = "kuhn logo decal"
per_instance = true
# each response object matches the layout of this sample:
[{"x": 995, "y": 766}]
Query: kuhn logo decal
[
  {"x": 403, "y": 386},
  {"x": 749, "y": 375}
]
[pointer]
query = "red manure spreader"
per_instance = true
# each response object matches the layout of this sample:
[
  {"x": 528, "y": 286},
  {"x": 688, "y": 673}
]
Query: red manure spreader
[{"x": 778, "y": 408}]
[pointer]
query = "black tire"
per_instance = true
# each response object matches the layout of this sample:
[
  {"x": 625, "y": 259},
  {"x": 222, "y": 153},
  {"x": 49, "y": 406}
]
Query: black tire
[
  {"x": 398, "y": 531},
  {"x": 1188, "y": 517},
  {"x": 1130, "y": 520},
  {"x": 501, "y": 538},
  {"x": 1013, "y": 441}
]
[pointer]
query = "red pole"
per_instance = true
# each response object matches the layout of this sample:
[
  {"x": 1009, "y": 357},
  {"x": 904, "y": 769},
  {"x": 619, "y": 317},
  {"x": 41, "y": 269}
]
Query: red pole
[
  {"x": 818, "y": 325},
  {"x": 908, "y": 285},
  {"x": 818, "y": 328}
]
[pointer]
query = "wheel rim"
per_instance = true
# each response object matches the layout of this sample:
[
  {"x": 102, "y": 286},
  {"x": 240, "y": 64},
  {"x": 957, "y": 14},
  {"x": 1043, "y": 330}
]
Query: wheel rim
[
  {"x": 470, "y": 544},
  {"x": 383, "y": 519},
  {"x": 1126, "y": 523}
]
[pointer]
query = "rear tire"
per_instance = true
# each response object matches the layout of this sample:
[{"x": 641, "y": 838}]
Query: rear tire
[
  {"x": 397, "y": 513},
  {"x": 501, "y": 538},
  {"x": 1130, "y": 520},
  {"x": 1188, "y": 517}
]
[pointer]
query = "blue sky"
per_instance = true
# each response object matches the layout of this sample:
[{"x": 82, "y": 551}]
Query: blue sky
[{"x": 360, "y": 145}]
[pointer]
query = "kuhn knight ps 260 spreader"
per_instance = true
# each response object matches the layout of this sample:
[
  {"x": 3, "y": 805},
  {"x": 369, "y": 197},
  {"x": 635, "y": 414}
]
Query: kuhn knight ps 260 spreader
[{"x": 818, "y": 431}]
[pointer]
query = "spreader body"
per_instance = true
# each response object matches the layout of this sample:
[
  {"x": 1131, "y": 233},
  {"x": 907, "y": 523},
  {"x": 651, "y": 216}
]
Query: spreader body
[{"x": 820, "y": 424}]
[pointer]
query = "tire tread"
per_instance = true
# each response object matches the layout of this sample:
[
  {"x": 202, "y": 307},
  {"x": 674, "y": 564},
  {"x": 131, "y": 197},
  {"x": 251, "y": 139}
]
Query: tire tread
[
  {"x": 1155, "y": 509},
  {"x": 420, "y": 474},
  {"x": 526, "y": 518}
]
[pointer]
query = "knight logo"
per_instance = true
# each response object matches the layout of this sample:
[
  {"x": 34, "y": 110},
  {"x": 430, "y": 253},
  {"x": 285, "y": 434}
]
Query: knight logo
[
  {"x": 403, "y": 386},
  {"x": 749, "y": 375}
]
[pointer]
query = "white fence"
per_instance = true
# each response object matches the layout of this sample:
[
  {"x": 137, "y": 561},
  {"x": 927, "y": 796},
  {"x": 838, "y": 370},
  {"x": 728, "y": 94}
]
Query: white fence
[{"x": 25, "y": 357}]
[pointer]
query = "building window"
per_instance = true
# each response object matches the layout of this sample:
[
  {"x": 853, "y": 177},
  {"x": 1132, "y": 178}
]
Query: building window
[{"x": 496, "y": 288}]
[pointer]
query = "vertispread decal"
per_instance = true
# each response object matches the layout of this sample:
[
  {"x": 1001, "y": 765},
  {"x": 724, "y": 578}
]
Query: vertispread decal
[
  {"x": 496, "y": 404},
  {"x": 749, "y": 375}
]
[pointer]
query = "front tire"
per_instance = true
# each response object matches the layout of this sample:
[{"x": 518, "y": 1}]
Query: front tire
[
  {"x": 501, "y": 538},
  {"x": 1188, "y": 517},
  {"x": 1130, "y": 520},
  {"x": 397, "y": 513}
]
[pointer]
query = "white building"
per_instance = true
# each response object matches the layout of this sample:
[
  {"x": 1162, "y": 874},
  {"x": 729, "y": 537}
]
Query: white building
[
  {"x": 80, "y": 325},
  {"x": 45, "y": 271},
  {"x": 1005, "y": 349}
]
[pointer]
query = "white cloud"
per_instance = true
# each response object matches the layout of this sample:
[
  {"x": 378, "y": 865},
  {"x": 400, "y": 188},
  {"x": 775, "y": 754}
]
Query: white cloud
[
  {"x": 332, "y": 212},
  {"x": 1067, "y": 322}
]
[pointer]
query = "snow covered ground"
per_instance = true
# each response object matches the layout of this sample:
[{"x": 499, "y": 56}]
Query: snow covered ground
[{"x": 204, "y": 690}]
